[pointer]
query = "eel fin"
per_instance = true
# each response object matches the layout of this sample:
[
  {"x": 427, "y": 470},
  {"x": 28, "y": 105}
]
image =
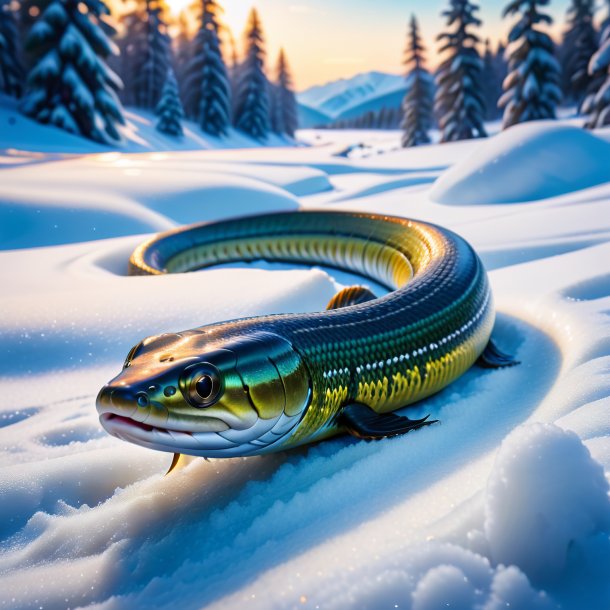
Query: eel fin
[
  {"x": 493, "y": 358},
  {"x": 351, "y": 295},
  {"x": 179, "y": 461},
  {"x": 362, "y": 422}
]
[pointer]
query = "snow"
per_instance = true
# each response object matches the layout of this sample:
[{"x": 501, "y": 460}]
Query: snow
[
  {"x": 505, "y": 504},
  {"x": 532, "y": 161}
]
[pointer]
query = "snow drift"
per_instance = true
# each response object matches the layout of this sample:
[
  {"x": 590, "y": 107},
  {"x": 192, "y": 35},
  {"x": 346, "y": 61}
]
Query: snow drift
[{"x": 524, "y": 163}]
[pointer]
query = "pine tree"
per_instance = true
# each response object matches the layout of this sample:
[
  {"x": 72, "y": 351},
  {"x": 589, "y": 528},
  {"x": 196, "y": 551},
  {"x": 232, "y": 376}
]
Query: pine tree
[
  {"x": 11, "y": 71},
  {"x": 491, "y": 82},
  {"x": 597, "y": 104},
  {"x": 26, "y": 16},
  {"x": 183, "y": 54},
  {"x": 169, "y": 109},
  {"x": 598, "y": 73},
  {"x": 150, "y": 78},
  {"x": 283, "y": 103},
  {"x": 579, "y": 44},
  {"x": 70, "y": 85},
  {"x": 233, "y": 74},
  {"x": 132, "y": 50},
  {"x": 531, "y": 89},
  {"x": 418, "y": 102},
  {"x": 458, "y": 101},
  {"x": 501, "y": 63},
  {"x": 208, "y": 94},
  {"x": 145, "y": 54},
  {"x": 252, "y": 104},
  {"x": 606, "y": 21}
]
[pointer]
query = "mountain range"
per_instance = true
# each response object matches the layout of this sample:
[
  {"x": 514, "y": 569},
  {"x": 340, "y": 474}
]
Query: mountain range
[{"x": 350, "y": 98}]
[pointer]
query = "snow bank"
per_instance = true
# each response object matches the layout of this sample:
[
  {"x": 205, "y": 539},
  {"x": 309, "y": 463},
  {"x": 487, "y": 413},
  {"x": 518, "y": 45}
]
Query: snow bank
[
  {"x": 545, "y": 497},
  {"x": 524, "y": 163}
]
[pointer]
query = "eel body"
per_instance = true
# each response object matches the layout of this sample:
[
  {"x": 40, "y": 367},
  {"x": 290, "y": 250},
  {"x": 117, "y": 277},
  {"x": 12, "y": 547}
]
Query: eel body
[{"x": 263, "y": 384}]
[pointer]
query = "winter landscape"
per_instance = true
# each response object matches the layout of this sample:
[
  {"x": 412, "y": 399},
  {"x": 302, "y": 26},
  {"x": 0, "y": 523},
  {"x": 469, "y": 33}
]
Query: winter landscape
[{"x": 503, "y": 504}]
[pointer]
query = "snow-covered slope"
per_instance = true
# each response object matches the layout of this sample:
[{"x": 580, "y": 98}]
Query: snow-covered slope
[
  {"x": 310, "y": 117},
  {"x": 20, "y": 133},
  {"x": 503, "y": 505},
  {"x": 346, "y": 98}
]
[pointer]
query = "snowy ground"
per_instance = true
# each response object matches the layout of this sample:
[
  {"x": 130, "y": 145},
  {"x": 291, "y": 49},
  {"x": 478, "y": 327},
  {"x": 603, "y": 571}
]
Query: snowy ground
[{"x": 503, "y": 505}]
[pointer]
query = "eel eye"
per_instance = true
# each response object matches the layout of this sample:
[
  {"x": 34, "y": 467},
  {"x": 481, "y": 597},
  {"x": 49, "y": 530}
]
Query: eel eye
[{"x": 204, "y": 387}]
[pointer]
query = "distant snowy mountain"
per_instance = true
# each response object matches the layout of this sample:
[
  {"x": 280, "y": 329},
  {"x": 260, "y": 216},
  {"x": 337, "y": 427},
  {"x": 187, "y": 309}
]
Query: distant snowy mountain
[
  {"x": 348, "y": 98},
  {"x": 310, "y": 117}
]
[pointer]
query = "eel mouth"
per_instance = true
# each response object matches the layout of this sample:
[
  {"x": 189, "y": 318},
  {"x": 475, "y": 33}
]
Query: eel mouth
[
  {"x": 227, "y": 443},
  {"x": 163, "y": 439},
  {"x": 112, "y": 419}
]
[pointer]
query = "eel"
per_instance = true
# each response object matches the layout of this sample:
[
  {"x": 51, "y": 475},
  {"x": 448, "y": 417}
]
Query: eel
[{"x": 269, "y": 383}]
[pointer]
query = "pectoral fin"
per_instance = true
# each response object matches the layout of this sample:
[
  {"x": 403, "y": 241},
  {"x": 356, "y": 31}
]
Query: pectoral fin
[
  {"x": 179, "y": 461},
  {"x": 362, "y": 422},
  {"x": 352, "y": 295},
  {"x": 493, "y": 358}
]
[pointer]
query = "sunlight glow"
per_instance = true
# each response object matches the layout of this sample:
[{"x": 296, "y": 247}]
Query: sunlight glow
[{"x": 234, "y": 13}]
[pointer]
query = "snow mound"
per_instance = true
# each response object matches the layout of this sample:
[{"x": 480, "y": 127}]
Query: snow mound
[
  {"x": 444, "y": 586},
  {"x": 545, "y": 496},
  {"x": 128, "y": 194},
  {"x": 524, "y": 163},
  {"x": 49, "y": 218},
  {"x": 431, "y": 577}
]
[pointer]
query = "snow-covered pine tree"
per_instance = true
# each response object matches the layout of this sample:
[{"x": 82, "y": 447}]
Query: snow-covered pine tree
[
  {"x": 418, "y": 103},
  {"x": 252, "y": 104},
  {"x": 532, "y": 87},
  {"x": 145, "y": 54},
  {"x": 208, "y": 92},
  {"x": 606, "y": 20},
  {"x": 579, "y": 44},
  {"x": 27, "y": 12},
  {"x": 598, "y": 74},
  {"x": 11, "y": 71},
  {"x": 381, "y": 119},
  {"x": 233, "y": 71},
  {"x": 283, "y": 103},
  {"x": 501, "y": 63},
  {"x": 597, "y": 103},
  {"x": 183, "y": 54},
  {"x": 169, "y": 109},
  {"x": 150, "y": 76},
  {"x": 132, "y": 50},
  {"x": 458, "y": 101},
  {"x": 491, "y": 82},
  {"x": 70, "y": 85}
]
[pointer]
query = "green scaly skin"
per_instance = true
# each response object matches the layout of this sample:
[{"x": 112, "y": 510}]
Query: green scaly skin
[{"x": 256, "y": 385}]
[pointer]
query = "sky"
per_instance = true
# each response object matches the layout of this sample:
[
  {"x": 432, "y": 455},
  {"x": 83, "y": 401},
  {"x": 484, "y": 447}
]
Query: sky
[{"x": 329, "y": 39}]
